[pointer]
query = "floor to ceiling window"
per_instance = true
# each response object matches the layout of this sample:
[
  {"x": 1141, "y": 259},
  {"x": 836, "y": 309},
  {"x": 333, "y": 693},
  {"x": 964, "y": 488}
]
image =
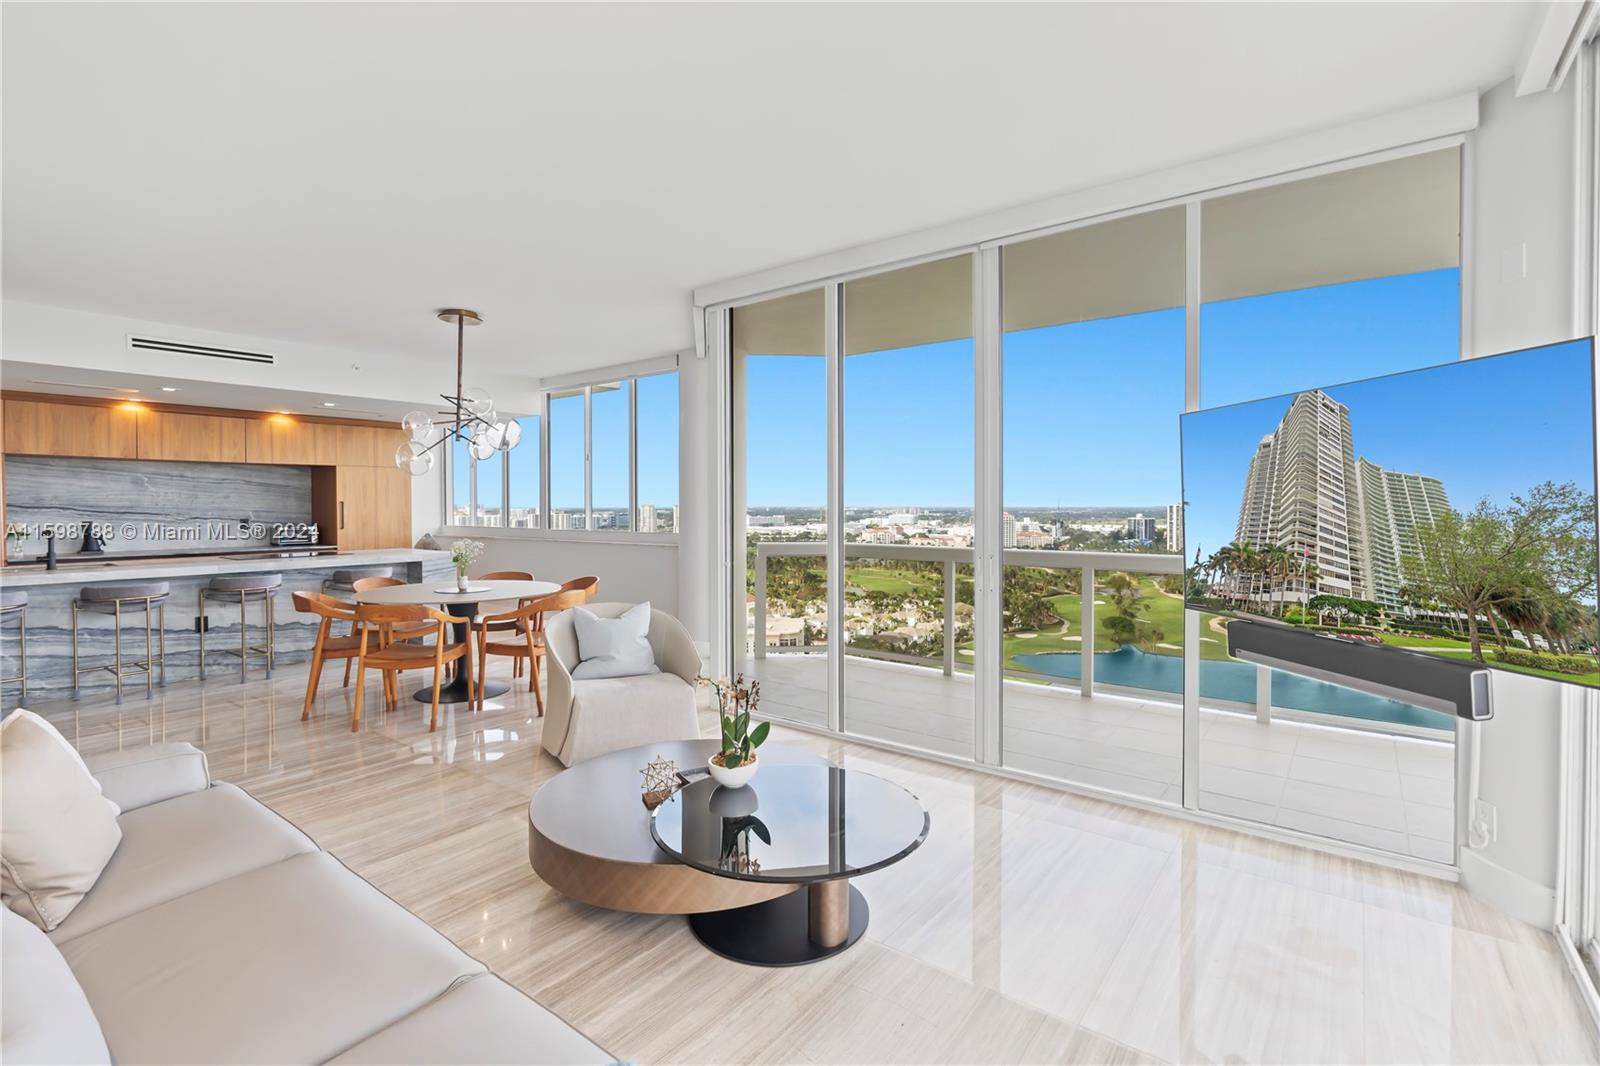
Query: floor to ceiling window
[
  {"x": 1092, "y": 597},
  {"x": 1094, "y": 339},
  {"x": 1308, "y": 284},
  {"x": 780, "y": 502},
  {"x": 909, "y": 472}
]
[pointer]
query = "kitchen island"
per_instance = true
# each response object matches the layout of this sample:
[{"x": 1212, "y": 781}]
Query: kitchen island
[{"x": 51, "y": 592}]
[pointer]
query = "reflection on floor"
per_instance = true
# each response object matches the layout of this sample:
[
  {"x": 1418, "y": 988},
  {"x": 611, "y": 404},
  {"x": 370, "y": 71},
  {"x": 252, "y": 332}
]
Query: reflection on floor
[
  {"x": 1351, "y": 785},
  {"x": 1034, "y": 925}
]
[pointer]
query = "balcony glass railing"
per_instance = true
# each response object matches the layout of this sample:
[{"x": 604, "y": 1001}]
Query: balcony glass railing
[{"x": 914, "y": 604}]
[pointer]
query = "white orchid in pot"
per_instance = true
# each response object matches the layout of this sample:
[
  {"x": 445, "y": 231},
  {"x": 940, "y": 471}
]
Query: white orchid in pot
[
  {"x": 463, "y": 553},
  {"x": 735, "y": 764}
]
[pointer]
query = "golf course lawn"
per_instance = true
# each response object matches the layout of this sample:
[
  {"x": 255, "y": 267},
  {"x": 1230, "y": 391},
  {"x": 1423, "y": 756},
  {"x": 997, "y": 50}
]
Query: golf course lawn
[{"x": 1163, "y": 610}]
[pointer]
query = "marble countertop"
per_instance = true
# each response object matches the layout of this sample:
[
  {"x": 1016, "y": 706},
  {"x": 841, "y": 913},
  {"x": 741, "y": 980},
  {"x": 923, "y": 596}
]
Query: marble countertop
[{"x": 34, "y": 576}]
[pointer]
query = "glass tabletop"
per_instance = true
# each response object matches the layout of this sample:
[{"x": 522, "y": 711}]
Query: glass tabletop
[{"x": 792, "y": 824}]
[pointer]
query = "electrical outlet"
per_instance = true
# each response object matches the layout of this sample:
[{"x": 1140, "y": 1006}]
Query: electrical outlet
[
  {"x": 1485, "y": 821},
  {"x": 202, "y": 623}
]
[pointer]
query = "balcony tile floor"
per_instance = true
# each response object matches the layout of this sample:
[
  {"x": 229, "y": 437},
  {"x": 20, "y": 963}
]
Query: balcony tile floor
[{"x": 1353, "y": 786}]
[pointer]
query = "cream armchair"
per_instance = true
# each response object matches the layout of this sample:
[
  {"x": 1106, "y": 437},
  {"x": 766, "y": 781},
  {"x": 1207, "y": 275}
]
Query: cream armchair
[{"x": 586, "y": 718}]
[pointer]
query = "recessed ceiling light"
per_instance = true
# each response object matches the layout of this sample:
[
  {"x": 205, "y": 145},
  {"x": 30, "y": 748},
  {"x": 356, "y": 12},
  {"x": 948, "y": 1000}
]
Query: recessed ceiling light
[
  {"x": 326, "y": 404},
  {"x": 169, "y": 388}
]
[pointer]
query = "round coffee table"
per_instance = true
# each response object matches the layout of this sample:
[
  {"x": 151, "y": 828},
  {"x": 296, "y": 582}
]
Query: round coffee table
[
  {"x": 589, "y": 835},
  {"x": 816, "y": 826},
  {"x": 463, "y": 605}
]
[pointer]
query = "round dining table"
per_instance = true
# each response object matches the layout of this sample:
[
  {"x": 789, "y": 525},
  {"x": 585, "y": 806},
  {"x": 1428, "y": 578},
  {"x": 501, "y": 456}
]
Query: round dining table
[{"x": 463, "y": 605}]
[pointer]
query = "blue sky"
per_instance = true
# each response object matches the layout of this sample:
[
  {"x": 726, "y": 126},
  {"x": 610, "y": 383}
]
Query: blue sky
[
  {"x": 1091, "y": 408},
  {"x": 1445, "y": 422}
]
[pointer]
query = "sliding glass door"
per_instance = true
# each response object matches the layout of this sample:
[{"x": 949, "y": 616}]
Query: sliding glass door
[
  {"x": 780, "y": 503},
  {"x": 908, "y": 493},
  {"x": 1091, "y": 532},
  {"x": 1304, "y": 284},
  {"x": 959, "y": 516}
]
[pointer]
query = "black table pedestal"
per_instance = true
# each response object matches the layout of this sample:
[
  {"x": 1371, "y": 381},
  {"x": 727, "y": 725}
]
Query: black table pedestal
[
  {"x": 779, "y": 931},
  {"x": 456, "y": 690}
]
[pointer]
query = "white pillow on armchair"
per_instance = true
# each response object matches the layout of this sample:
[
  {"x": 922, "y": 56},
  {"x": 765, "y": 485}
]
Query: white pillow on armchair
[{"x": 613, "y": 647}]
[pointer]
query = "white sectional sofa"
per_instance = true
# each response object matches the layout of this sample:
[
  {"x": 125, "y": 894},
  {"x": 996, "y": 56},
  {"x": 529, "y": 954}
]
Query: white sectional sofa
[{"x": 220, "y": 933}]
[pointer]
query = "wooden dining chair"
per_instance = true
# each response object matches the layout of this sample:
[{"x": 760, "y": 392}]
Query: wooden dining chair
[
  {"x": 589, "y": 586},
  {"x": 397, "y": 656},
  {"x": 525, "y": 641},
  {"x": 507, "y": 575},
  {"x": 330, "y": 609},
  {"x": 422, "y": 629}
]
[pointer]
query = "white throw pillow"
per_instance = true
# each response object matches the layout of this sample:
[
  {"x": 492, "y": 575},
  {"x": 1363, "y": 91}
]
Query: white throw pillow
[
  {"x": 613, "y": 647},
  {"x": 57, "y": 831}
]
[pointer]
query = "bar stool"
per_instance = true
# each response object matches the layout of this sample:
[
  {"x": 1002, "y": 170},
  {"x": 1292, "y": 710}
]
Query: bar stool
[
  {"x": 14, "y": 605},
  {"x": 146, "y": 596},
  {"x": 343, "y": 582},
  {"x": 228, "y": 588}
]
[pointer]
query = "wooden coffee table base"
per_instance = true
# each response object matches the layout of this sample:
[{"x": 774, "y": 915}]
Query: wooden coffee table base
[
  {"x": 791, "y": 930},
  {"x": 642, "y": 887}
]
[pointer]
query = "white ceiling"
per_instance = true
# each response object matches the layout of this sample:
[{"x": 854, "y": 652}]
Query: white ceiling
[{"x": 334, "y": 172}]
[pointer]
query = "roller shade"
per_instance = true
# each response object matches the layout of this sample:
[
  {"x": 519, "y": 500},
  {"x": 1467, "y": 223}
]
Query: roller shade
[
  {"x": 1399, "y": 217},
  {"x": 1396, "y": 217},
  {"x": 786, "y": 325}
]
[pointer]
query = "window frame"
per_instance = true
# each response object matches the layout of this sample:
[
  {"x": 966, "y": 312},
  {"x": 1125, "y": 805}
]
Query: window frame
[
  {"x": 587, "y": 532},
  {"x": 1121, "y": 200}
]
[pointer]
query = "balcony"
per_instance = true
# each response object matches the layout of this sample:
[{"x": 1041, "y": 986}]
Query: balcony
[{"x": 1273, "y": 747}]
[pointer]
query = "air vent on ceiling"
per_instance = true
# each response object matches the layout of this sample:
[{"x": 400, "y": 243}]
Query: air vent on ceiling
[
  {"x": 154, "y": 344},
  {"x": 79, "y": 385}
]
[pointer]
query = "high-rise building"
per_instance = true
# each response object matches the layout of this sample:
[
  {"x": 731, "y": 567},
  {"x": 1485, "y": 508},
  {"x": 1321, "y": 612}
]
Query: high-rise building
[
  {"x": 1301, "y": 494},
  {"x": 674, "y": 518},
  {"x": 647, "y": 518},
  {"x": 565, "y": 520},
  {"x": 1175, "y": 528},
  {"x": 1393, "y": 505},
  {"x": 1141, "y": 529},
  {"x": 1008, "y": 530}
]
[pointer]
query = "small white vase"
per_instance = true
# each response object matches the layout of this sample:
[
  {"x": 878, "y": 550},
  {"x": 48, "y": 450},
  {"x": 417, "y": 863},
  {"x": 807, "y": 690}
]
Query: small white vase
[
  {"x": 461, "y": 581},
  {"x": 738, "y": 777}
]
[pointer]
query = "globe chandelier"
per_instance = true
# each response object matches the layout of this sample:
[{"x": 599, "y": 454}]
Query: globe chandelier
[{"x": 471, "y": 418}]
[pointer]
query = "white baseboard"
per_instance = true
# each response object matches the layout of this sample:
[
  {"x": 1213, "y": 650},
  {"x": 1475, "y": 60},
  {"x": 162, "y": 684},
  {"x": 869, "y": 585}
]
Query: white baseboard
[{"x": 1507, "y": 890}]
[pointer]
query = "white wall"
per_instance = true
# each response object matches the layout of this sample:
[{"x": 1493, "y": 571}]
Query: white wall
[
  {"x": 699, "y": 472},
  {"x": 1521, "y": 211},
  {"x": 629, "y": 571}
]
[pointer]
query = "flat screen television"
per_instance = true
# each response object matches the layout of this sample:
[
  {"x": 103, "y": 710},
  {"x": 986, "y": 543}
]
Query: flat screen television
[{"x": 1446, "y": 512}]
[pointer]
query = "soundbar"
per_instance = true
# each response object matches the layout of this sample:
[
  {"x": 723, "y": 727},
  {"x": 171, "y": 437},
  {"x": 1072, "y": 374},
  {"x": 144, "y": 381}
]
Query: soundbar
[{"x": 1458, "y": 688}]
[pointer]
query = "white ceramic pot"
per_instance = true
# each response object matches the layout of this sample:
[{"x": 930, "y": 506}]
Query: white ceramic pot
[{"x": 738, "y": 777}]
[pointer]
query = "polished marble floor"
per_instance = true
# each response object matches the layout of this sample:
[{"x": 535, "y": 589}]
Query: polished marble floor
[
  {"x": 1034, "y": 925},
  {"x": 1354, "y": 786}
]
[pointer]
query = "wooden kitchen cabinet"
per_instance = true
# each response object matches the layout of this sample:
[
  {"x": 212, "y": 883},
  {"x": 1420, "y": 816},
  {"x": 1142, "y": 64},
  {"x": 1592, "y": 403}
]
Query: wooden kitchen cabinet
[
  {"x": 362, "y": 507},
  {"x": 191, "y": 437},
  {"x": 39, "y": 427},
  {"x": 393, "y": 508},
  {"x": 283, "y": 440},
  {"x": 369, "y": 445}
]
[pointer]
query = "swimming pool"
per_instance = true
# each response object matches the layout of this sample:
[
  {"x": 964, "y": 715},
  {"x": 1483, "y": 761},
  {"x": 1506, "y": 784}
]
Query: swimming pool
[{"x": 1129, "y": 667}]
